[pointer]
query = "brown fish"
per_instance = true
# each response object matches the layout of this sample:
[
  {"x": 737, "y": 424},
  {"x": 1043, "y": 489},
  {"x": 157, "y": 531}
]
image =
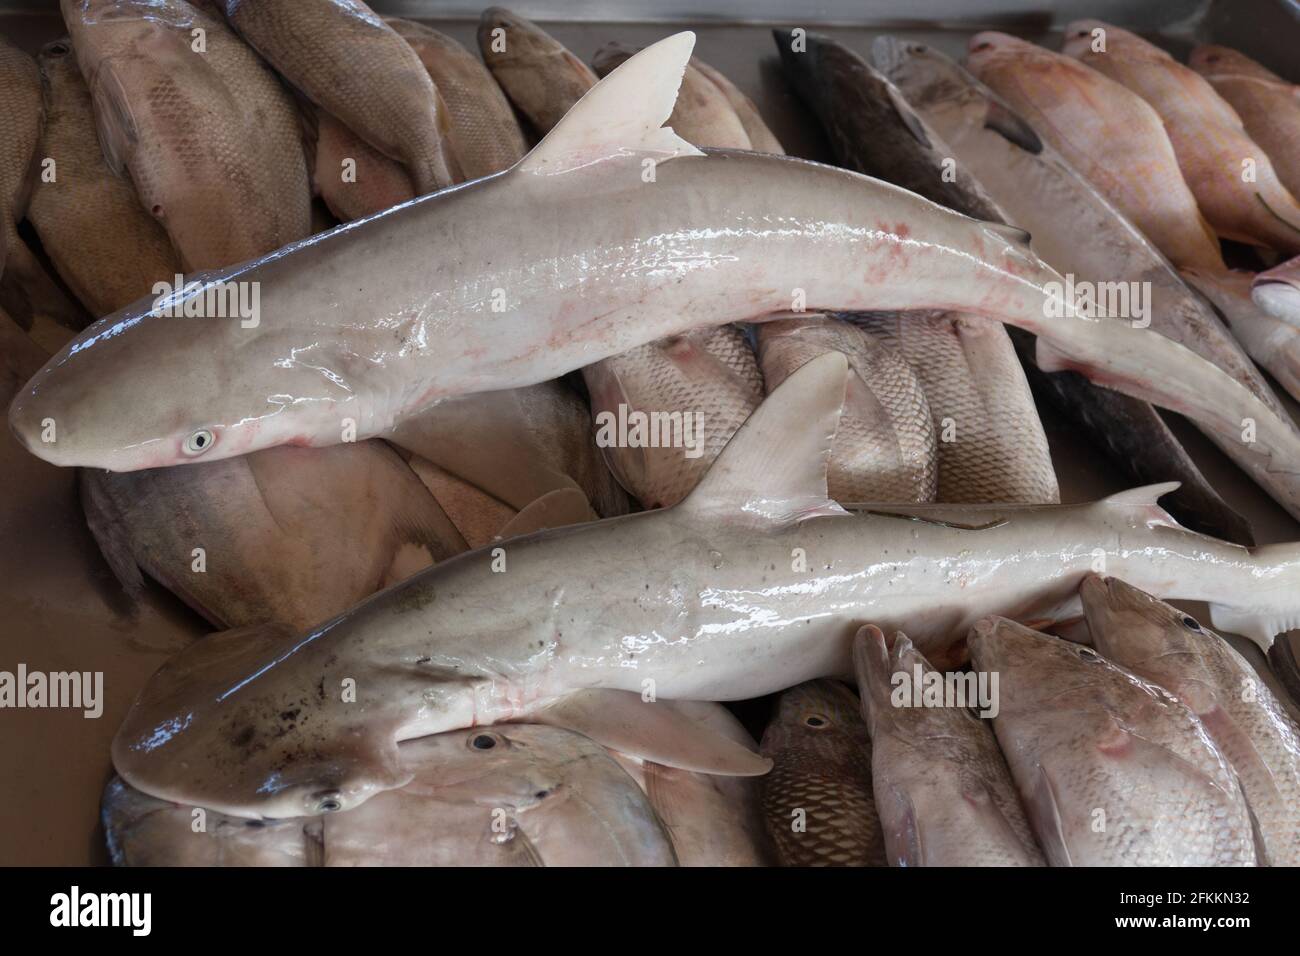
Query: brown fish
[
  {"x": 354, "y": 179},
  {"x": 760, "y": 136},
  {"x": 1214, "y": 150},
  {"x": 21, "y": 116},
  {"x": 105, "y": 245},
  {"x": 345, "y": 59},
  {"x": 817, "y": 798},
  {"x": 211, "y": 138}
]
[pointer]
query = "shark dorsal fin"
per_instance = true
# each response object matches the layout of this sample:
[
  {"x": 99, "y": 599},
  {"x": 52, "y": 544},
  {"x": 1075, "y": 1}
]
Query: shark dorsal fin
[
  {"x": 773, "y": 471},
  {"x": 623, "y": 114}
]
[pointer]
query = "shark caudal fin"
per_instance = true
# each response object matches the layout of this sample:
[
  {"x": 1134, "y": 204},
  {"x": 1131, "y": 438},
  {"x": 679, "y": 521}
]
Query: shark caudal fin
[
  {"x": 773, "y": 471},
  {"x": 651, "y": 730},
  {"x": 622, "y": 115},
  {"x": 1262, "y": 620}
]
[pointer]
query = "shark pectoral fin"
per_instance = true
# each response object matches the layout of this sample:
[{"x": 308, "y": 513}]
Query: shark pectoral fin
[
  {"x": 555, "y": 509},
  {"x": 773, "y": 471},
  {"x": 652, "y": 731},
  {"x": 621, "y": 115}
]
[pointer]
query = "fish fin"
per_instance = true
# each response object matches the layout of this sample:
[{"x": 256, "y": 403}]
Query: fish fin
[
  {"x": 622, "y": 721},
  {"x": 904, "y": 837},
  {"x": 1260, "y": 628},
  {"x": 1045, "y": 811},
  {"x": 114, "y": 121},
  {"x": 110, "y": 534},
  {"x": 773, "y": 471},
  {"x": 623, "y": 114},
  {"x": 1145, "y": 495},
  {"x": 1009, "y": 233},
  {"x": 1276, "y": 215},
  {"x": 555, "y": 509},
  {"x": 1012, "y": 128},
  {"x": 914, "y": 124},
  {"x": 1049, "y": 358}
]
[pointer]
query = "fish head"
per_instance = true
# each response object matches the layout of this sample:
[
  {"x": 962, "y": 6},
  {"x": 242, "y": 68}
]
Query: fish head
[
  {"x": 922, "y": 72},
  {"x": 819, "y": 719},
  {"x": 148, "y": 388},
  {"x": 988, "y": 47},
  {"x": 1211, "y": 60},
  {"x": 1130, "y": 626},
  {"x": 1032, "y": 667},
  {"x": 239, "y": 724},
  {"x": 1081, "y": 35},
  {"x": 1085, "y": 39}
]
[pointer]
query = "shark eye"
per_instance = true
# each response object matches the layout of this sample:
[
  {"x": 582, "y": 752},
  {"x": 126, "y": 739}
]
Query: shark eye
[
  {"x": 816, "y": 721},
  {"x": 328, "y": 802},
  {"x": 483, "y": 741},
  {"x": 1191, "y": 623},
  {"x": 199, "y": 441}
]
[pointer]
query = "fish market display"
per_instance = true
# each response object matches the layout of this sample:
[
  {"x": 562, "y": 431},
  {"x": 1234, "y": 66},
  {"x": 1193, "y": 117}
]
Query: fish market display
[
  {"x": 1269, "y": 106},
  {"x": 817, "y": 799},
  {"x": 1207, "y": 134},
  {"x": 105, "y": 245},
  {"x": 516, "y": 795},
  {"x": 1260, "y": 740},
  {"x": 230, "y": 184},
  {"x": 943, "y": 789},
  {"x": 454, "y": 646},
  {"x": 347, "y": 60},
  {"x": 428, "y": 449},
  {"x": 1113, "y": 770}
]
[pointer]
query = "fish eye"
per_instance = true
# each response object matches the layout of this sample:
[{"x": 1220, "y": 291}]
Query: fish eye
[
  {"x": 816, "y": 721},
  {"x": 199, "y": 441},
  {"x": 483, "y": 741},
  {"x": 1191, "y": 623},
  {"x": 1089, "y": 655},
  {"x": 58, "y": 48},
  {"x": 328, "y": 801}
]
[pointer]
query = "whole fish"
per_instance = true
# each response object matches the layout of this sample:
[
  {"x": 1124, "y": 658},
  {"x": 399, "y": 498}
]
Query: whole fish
[
  {"x": 106, "y": 247},
  {"x": 1277, "y": 291},
  {"x": 1270, "y": 340},
  {"x": 287, "y": 535},
  {"x": 346, "y": 60},
  {"x": 942, "y": 787},
  {"x": 1035, "y": 186},
  {"x": 989, "y": 440},
  {"x": 354, "y": 179},
  {"x": 358, "y": 326},
  {"x": 1113, "y": 770},
  {"x": 21, "y": 116},
  {"x": 539, "y": 75},
  {"x": 1213, "y": 147},
  {"x": 514, "y": 795},
  {"x": 484, "y": 135},
  {"x": 817, "y": 798},
  {"x": 1109, "y": 133},
  {"x": 885, "y": 448},
  {"x": 1169, "y": 648},
  {"x": 760, "y": 136},
  {"x": 712, "y": 820},
  {"x": 702, "y": 115},
  {"x": 1269, "y": 106},
  {"x": 754, "y": 582}
]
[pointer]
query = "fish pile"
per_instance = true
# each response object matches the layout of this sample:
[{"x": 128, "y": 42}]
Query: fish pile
[{"x": 508, "y": 417}]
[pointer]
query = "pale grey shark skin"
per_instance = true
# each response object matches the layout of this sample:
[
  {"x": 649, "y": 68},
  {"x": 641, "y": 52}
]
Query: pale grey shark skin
[
  {"x": 379, "y": 318},
  {"x": 1079, "y": 231},
  {"x": 755, "y": 582}
]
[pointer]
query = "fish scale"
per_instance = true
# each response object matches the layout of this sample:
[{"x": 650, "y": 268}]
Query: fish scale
[{"x": 20, "y": 127}]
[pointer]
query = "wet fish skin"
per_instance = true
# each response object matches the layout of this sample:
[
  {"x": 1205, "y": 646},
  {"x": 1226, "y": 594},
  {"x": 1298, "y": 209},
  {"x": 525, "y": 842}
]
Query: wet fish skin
[
  {"x": 357, "y": 67},
  {"x": 519, "y": 54},
  {"x": 106, "y": 247},
  {"x": 384, "y": 342},
  {"x": 454, "y": 646},
  {"x": 1277, "y": 291},
  {"x": 288, "y": 535},
  {"x": 1170, "y": 648},
  {"x": 1113, "y": 770},
  {"x": 1268, "y": 105},
  {"x": 516, "y": 795},
  {"x": 1207, "y": 135},
  {"x": 1106, "y": 131},
  {"x": 1035, "y": 185},
  {"x": 212, "y": 140},
  {"x": 485, "y": 136},
  {"x": 886, "y": 448},
  {"x": 943, "y": 789},
  {"x": 817, "y": 798}
]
